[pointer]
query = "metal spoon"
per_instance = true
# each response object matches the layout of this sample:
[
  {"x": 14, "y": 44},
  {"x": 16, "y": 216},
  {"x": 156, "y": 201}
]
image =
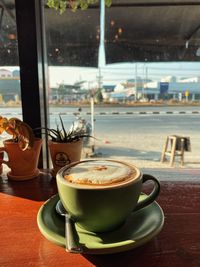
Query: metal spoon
[{"x": 71, "y": 244}]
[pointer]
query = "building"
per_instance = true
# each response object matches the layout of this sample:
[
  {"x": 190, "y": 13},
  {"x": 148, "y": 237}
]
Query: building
[{"x": 9, "y": 89}]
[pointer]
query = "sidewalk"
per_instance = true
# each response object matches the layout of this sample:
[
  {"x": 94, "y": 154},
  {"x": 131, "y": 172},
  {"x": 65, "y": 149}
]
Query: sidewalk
[{"x": 148, "y": 160}]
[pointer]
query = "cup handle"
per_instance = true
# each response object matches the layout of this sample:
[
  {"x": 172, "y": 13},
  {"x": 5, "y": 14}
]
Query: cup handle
[{"x": 152, "y": 196}]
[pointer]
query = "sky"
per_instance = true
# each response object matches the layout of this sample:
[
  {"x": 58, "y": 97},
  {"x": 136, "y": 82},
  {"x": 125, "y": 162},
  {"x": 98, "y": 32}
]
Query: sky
[{"x": 116, "y": 73}]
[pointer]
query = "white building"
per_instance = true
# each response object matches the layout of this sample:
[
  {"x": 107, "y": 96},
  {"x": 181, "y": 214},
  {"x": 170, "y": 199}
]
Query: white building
[
  {"x": 190, "y": 80},
  {"x": 5, "y": 73}
]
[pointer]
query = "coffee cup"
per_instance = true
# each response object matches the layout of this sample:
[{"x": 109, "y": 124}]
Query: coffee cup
[{"x": 100, "y": 194}]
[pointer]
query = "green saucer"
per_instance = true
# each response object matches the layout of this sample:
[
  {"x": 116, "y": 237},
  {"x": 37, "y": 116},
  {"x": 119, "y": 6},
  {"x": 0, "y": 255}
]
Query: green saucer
[{"x": 140, "y": 227}]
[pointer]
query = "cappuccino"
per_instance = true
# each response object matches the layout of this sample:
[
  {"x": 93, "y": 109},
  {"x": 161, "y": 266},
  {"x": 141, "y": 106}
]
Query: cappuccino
[
  {"x": 100, "y": 172},
  {"x": 100, "y": 194}
]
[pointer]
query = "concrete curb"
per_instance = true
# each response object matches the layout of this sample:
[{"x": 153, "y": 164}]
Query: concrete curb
[
  {"x": 195, "y": 112},
  {"x": 130, "y": 113}
]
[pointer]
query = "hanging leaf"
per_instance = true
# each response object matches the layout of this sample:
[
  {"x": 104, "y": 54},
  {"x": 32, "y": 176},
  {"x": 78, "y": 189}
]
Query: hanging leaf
[{"x": 62, "y": 5}]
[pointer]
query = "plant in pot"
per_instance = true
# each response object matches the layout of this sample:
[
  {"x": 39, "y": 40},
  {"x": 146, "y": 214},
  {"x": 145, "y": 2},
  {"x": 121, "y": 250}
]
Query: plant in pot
[
  {"x": 23, "y": 149},
  {"x": 65, "y": 146}
]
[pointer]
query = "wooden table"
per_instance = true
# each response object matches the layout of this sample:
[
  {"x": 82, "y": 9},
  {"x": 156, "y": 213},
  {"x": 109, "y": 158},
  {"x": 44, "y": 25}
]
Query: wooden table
[{"x": 22, "y": 244}]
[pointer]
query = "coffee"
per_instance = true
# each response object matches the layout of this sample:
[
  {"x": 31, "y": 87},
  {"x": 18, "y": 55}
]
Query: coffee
[
  {"x": 100, "y": 194},
  {"x": 100, "y": 172}
]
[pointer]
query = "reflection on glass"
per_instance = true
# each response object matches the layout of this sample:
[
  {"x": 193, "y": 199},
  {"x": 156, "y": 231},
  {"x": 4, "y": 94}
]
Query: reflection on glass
[
  {"x": 148, "y": 57},
  {"x": 151, "y": 65},
  {"x": 10, "y": 95},
  {"x": 9, "y": 66}
]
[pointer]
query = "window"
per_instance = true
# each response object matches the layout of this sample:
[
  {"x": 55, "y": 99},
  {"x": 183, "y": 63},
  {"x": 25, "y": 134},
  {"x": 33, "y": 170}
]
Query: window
[
  {"x": 143, "y": 56},
  {"x": 136, "y": 57},
  {"x": 10, "y": 93}
]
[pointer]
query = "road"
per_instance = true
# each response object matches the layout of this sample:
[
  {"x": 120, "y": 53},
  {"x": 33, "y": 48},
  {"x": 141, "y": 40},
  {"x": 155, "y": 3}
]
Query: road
[
  {"x": 112, "y": 122},
  {"x": 138, "y": 135}
]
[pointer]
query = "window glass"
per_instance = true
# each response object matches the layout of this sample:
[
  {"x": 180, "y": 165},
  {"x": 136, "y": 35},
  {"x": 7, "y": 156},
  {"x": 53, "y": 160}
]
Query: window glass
[
  {"x": 10, "y": 95},
  {"x": 143, "y": 77}
]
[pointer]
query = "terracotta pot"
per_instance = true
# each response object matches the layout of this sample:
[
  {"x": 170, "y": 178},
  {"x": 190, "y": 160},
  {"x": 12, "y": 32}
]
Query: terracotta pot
[
  {"x": 63, "y": 154},
  {"x": 1, "y": 159},
  {"x": 23, "y": 164}
]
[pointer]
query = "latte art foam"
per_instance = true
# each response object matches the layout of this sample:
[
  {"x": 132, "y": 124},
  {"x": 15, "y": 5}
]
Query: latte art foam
[{"x": 99, "y": 172}]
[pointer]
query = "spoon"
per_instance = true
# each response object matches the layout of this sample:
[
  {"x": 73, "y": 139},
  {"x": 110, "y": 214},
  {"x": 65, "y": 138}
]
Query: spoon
[{"x": 72, "y": 244}]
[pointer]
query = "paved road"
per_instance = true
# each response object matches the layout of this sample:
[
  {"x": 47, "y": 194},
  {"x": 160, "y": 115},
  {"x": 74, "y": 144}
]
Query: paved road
[
  {"x": 137, "y": 135},
  {"x": 129, "y": 120},
  {"x": 126, "y": 124}
]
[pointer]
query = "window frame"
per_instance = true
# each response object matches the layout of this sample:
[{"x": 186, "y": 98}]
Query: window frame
[{"x": 33, "y": 69}]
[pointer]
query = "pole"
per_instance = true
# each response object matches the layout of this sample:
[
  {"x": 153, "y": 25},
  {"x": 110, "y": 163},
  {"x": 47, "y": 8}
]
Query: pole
[
  {"x": 143, "y": 81},
  {"x": 136, "y": 81},
  {"x": 146, "y": 78},
  {"x": 102, "y": 56},
  {"x": 92, "y": 121}
]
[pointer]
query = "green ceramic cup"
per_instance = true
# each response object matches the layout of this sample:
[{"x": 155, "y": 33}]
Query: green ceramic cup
[{"x": 104, "y": 207}]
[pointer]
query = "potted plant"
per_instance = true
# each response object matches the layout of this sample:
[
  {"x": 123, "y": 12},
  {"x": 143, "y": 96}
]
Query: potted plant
[
  {"x": 65, "y": 146},
  {"x": 23, "y": 149}
]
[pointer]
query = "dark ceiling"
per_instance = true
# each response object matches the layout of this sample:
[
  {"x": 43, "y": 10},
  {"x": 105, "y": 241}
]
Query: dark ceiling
[
  {"x": 155, "y": 31},
  {"x": 134, "y": 31}
]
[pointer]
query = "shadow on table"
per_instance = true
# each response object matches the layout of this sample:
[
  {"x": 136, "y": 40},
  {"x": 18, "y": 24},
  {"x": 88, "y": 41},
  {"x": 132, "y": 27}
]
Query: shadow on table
[{"x": 131, "y": 258}]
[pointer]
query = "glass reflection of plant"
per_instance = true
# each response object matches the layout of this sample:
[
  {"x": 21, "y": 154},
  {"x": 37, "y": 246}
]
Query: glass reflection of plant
[
  {"x": 61, "y": 135},
  {"x": 62, "y": 5}
]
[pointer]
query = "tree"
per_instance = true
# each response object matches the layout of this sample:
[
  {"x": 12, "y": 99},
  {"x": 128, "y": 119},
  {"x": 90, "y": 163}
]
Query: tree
[{"x": 99, "y": 96}]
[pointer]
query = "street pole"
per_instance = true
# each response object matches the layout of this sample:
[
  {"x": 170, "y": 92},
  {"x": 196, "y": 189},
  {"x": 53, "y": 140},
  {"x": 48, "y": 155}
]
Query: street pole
[
  {"x": 101, "y": 55},
  {"x": 146, "y": 77},
  {"x": 136, "y": 81},
  {"x": 92, "y": 122},
  {"x": 143, "y": 81}
]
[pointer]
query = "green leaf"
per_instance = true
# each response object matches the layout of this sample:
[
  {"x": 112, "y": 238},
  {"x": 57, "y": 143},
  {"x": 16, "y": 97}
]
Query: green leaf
[
  {"x": 108, "y": 3},
  {"x": 61, "y": 5}
]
